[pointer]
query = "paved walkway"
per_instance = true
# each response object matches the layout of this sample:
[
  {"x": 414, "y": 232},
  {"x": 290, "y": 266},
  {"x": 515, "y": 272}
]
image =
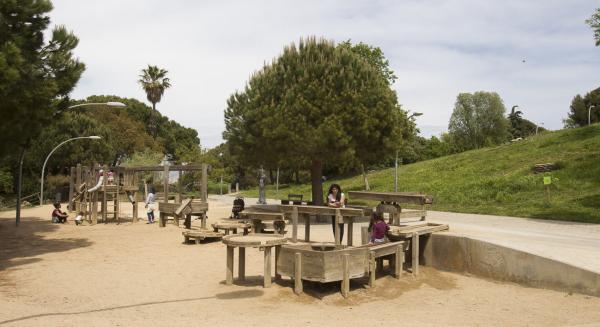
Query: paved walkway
[{"x": 577, "y": 244}]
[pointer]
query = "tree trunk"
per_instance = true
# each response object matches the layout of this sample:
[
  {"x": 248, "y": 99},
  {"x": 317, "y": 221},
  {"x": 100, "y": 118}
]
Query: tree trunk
[
  {"x": 364, "y": 173},
  {"x": 297, "y": 173},
  {"x": 316, "y": 173}
]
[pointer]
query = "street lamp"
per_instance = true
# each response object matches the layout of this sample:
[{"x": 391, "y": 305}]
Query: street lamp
[
  {"x": 22, "y": 156},
  {"x": 94, "y": 137},
  {"x": 589, "y": 113}
]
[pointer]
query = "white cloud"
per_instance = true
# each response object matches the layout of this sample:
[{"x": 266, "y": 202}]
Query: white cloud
[{"x": 437, "y": 49}]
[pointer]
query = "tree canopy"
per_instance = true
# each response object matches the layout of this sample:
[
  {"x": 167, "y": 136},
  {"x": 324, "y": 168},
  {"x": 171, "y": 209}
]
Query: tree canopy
[
  {"x": 316, "y": 104},
  {"x": 478, "y": 120},
  {"x": 594, "y": 22},
  {"x": 580, "y": 108},
  {"x": 35, "y": 77}
]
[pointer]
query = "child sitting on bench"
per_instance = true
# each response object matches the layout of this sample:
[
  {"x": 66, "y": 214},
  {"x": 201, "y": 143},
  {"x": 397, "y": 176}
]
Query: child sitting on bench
[
  {"x": 379, "y": 230},
  {"x": 57, "y": 215}
]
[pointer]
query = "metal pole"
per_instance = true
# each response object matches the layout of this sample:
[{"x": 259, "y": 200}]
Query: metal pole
[
  {"x": 590, "y": 114},
  {"x": 48, "y": 157},
  {"x": 221, "y": 185},
  {"x": 19, "y": 183}
]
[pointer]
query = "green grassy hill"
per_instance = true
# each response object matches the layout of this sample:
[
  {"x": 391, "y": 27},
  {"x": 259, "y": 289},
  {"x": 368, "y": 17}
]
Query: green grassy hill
[{"x": 500, "y": 180}]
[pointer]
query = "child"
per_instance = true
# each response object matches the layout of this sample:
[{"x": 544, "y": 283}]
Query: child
[
  {"x": 379, "y": 229},
  {"x": 150, "y": 205},
  {"x": 57, "y": 215},
  {"x": 79, "y": 218},
  {"x": 110, "y": 178}
]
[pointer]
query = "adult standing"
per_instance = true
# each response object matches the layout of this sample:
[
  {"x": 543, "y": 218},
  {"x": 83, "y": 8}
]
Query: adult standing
[{"x": 336, "y": 199}]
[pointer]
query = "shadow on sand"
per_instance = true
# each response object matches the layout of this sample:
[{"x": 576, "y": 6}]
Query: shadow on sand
[
  {"x": 20, "y": 245},
  {"x": 221, "y": 296}
]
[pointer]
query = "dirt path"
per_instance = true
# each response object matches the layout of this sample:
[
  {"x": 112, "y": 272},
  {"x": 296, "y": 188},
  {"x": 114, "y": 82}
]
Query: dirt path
[{"x": 138, "y": 274}]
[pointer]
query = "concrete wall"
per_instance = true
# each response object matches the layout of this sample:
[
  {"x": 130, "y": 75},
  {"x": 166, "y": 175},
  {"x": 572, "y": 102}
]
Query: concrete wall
[{"x": 449, "y": 252}]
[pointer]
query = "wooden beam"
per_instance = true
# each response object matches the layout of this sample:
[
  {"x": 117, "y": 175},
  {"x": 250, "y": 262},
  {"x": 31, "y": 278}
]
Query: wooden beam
[
  {"x": 298, "y": 273},
  {"x": 398, "y": 197},
  {"x": 204, "y": 185}
]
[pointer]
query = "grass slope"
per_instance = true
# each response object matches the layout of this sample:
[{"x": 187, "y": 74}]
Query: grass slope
[{"x": 499, "y": 180}]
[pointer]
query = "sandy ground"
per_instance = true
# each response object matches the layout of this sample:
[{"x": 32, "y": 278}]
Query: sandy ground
[{"x": 139, "y": 274}]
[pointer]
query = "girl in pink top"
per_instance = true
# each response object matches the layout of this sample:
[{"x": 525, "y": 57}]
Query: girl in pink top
[{"x": 335, "y": 199}]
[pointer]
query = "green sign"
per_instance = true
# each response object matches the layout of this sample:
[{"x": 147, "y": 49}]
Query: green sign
[{"x": 547, "y": 180}]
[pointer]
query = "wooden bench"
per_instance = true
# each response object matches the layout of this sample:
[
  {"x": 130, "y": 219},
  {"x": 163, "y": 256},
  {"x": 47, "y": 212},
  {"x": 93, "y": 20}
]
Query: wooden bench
[
  {"x": 391, "y": 251},
  {"x": 200, "y": 234}
]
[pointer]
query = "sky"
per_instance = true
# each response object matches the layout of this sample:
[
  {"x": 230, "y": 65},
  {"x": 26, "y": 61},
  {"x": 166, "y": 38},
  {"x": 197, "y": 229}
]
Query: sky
[{"x": 537, "y": 54}]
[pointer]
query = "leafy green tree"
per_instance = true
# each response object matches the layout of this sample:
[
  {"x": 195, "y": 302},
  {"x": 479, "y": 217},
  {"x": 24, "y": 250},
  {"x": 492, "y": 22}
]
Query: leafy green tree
[
  {"x": 35, "y": 76},
  {"x": 154, "y": 81},
  {"x": 478, "y": 120},
  {"x": 594, "y": 22},
  {"x": 519, "y": 126},
  {"x": 580, "y": 108},
  {"x": 315, "y": 105}
]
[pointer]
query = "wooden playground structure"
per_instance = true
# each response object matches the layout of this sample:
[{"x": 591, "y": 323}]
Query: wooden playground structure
[
  {"x": 102, "y": 195},
  {"x": 333, "y": 262}
]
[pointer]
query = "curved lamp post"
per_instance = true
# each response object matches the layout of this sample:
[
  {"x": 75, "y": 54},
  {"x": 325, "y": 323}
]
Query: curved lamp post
[
  {"x": 590, "y": 114},
  {"x": 22, "y": 156},
  {"x": 94, "y": 137}
]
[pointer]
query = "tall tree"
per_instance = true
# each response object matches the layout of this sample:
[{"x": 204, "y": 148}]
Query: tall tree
[
  {"x": 478, "y": 120},
  {"x": 35, "y": 77},
  {"x": 580, "y": 109},
  {"x": 519, "y": 126},
  {"x": 594, "y": 22},
  {"x": 154, "y": 81},
  {"x": 315, "y": 105}
]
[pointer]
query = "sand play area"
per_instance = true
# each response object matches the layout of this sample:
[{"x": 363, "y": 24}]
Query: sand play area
[{"x": 141, "y": 275}]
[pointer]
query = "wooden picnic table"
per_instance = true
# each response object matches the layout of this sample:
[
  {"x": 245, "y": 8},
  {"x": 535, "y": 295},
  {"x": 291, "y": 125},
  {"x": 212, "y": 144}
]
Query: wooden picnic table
[
  {"x": 262, "y": 241},
  {"x": 391, "y": 203},
  {"x": 342, "y": 216},
  {"x": 257, "y": 217}
]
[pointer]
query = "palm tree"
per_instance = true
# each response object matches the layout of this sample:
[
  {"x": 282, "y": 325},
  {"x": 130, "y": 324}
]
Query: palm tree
[{"x": 154, "y": 82}]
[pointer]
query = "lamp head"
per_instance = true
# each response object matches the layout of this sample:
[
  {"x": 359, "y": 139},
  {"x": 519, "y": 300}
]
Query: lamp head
[
  {"x": 116, "y": 104},
  {"x": 94, "y": 137}
]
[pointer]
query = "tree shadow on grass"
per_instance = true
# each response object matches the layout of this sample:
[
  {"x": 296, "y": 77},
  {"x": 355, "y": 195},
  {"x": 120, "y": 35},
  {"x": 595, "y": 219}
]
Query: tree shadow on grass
[
  {"x": 244, "y": 294},
  {"x": 21, "y": 245}
]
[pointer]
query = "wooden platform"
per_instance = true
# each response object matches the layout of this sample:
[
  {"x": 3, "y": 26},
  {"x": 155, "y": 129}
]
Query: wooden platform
[{"x": 199, "y": 235}]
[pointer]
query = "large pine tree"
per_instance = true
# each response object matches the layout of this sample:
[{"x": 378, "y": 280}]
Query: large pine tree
[{"x": 315, "y": 105}]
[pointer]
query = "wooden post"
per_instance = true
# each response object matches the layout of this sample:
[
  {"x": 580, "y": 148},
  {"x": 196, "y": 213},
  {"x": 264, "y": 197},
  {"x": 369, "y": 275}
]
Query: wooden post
[
  {"x": 398, "y": 262},
  {"x": 166, "y": 182},
  {"x": 71, "y": 189},
  {"x": 104, "y": 197},
  {"x": 350, "y": 231},
  {"x": 364, "y": 235},
  {"x": 415, "y": 254},
  {"x": 372, "y": 269},
  {"x": 423, "y": 212},
  {"x": 298, "y": 273},
  {"x": 204, "y": 187},
  {"x": 202, "y": 222},
  {"x": 277, "y": 252},
  {"x": 242, "y": 263},
  {"x": 267, "y": 273},
  {"x": 306, "y": 227},
  {"x": 229, "y": 272},
  {"x": 295, "y": 224},
  {"x": 346, "y": 280},
  {"x": 179, "y": 188},
  {"x": 336, "y": 227},
  {"x": 94, "y": 206}
]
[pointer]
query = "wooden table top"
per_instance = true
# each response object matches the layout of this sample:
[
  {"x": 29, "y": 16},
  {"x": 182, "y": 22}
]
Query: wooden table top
[{"x": 254, "y": 240}]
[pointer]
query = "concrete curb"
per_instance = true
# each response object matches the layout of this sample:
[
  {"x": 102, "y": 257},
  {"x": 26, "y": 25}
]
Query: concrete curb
[{"x": 463, "y": 254}]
